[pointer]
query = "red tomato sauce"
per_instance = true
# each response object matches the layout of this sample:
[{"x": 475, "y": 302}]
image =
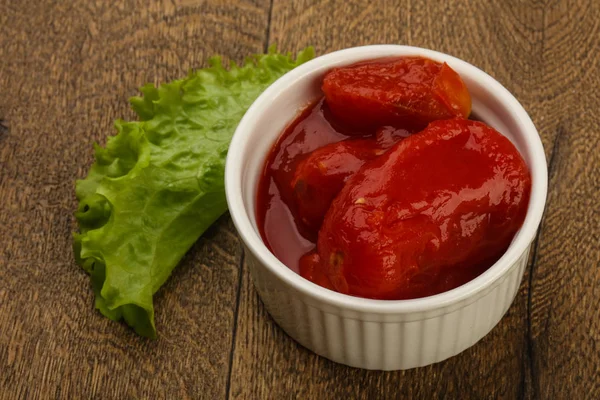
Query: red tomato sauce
[
  {"x": 372, "y": 204},
  {"x": 286, "y": 236}
]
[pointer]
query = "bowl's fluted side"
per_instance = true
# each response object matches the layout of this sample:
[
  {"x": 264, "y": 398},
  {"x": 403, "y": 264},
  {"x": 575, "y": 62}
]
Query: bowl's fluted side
[{"x": 385, "y": 341}]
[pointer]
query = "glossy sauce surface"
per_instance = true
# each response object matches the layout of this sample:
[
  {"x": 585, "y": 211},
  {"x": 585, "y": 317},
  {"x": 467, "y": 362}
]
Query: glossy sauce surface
[
  {"x": 364, "y": 201},
  {"x": 429, "y": 215},
  {"x": 407, "y": 92},
  {"x": 288, "y": 219},
  {"x": 286, "y": 237}
]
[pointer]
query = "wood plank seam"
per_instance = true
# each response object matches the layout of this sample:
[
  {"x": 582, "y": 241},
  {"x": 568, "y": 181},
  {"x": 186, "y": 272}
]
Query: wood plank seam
[
  {"x": 530, "y": 348},
  {"x": 3, "y": 128},
  {"x": 235, "y": 322},
  {"x": 531, "y": 365},
  {"x": 268, "y": 32},
  {"x": 242, "y": 256},
  {"x": 534, "y": 390}
]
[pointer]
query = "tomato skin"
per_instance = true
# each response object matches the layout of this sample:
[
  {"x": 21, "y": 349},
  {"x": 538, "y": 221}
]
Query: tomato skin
[
  {"x": 319, "y": 177},
  {"x": 311, "y": 130},
  {"x": 404, "y": 92},
  {"x": 430, "y": 214},
  {"x": 310, "y": 268}
]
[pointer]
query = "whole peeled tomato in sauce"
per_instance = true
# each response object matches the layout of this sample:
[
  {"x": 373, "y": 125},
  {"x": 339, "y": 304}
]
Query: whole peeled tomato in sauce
[
  {"x": 432, "y": 213},
  {"x": 408, "y": 91},
  {"x": 320, "y": 176}
]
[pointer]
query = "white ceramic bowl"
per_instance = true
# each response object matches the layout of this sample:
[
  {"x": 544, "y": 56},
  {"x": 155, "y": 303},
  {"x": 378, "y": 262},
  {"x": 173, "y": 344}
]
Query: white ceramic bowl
[{"x": 366, "y": 333}]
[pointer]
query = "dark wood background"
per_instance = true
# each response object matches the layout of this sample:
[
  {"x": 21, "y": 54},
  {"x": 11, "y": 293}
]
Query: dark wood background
[{"x": 67, "y": 69}]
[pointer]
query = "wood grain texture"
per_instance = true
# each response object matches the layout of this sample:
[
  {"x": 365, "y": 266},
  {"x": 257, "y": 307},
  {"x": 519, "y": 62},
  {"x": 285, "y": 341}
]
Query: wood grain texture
[
  {"x": 66, "y": 72},
  {"x": 565, "y": 290},
  {"x": 506, "y": 39}
]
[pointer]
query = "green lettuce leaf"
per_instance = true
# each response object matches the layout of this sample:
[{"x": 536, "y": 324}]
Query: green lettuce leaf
[{"x": 159, "y": 183}]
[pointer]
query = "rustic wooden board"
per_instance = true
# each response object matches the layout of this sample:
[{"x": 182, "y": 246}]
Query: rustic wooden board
[
  {"x": 267, "y": 362},
  {"x": 65, "y": 74},
  {"x": 565, "y": 285}
]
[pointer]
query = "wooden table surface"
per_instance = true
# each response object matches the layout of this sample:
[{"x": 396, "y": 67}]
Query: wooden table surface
[{"x": 66, "y": 72}]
